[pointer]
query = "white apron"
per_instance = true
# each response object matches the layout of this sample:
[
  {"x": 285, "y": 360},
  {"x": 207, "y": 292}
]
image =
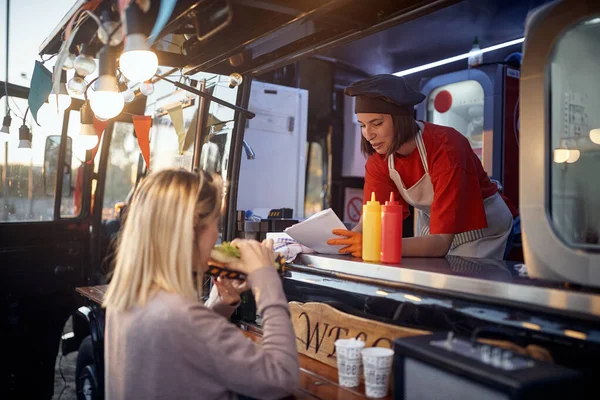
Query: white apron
[{"x": 489, "y": 242}]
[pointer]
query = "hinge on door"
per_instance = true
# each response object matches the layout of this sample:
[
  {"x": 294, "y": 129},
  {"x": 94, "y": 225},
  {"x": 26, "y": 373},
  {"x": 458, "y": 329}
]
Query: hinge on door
[{"x": 291, "y": 123}]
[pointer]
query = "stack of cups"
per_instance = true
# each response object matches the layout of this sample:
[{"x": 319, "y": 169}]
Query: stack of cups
[
  {"x": 377, "y": 363},
  {"x": 348, "y": 360}
]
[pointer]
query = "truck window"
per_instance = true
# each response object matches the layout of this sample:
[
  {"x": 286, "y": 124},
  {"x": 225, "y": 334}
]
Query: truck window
[
  {"x": 28, "y": 184},
  {"x": 121, "y": 169},
  {"x": 313, "y": 202},
  {"x": 575, "y": 135}
]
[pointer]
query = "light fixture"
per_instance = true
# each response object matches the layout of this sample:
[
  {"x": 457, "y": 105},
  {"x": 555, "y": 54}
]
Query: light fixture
[
  {"x": 595, "y": 136},
  {"x": 84, "y": 64},
  {"x": 235, "y": 80},
  {"x": 60, "y": 101},
  {"x": 147, "y": 88},
  {"x": 561, "y": 155},
  {"x": 24, "y": 137},
  {"x": 110, "y": 28},
  {"x": 76, "y": 86},
  {"x": 128, "y": 95},
  {"x": 137, "y": 62},
  {"x": 458, "y": 58},
  {"x": 5, "y": 131},
  {"x": 574, "y": 155},
  {"x": 68, "y": 63},
  {"x": 106, "y": 101},
  {"x": 88, "y": 139}
]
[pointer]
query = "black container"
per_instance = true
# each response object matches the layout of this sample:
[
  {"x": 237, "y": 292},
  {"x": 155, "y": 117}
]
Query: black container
[
  {"x": 280, "y": 225},
  {"x": 246, "y": 311}
]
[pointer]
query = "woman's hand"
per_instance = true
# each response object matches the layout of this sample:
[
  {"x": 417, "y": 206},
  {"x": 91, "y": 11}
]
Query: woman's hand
[
  {"x": 230, "y": 290},
  {"x": 352, "y": 241},
  {"x": 253, "y": 255}
]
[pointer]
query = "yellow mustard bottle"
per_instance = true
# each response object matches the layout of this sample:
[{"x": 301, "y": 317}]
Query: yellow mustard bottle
[{"x": 371, "y": 230}]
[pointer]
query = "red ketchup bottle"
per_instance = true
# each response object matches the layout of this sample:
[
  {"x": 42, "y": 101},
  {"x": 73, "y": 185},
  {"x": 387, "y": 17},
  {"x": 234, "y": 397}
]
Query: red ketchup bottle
[{"x": 391, "y": 232}]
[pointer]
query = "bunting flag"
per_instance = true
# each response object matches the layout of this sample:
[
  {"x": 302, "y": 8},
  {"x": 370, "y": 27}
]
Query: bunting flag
[
  {"x": 141, "y": 125},
  {"x": 164, "y": 13},
  {"x": 176, "y": 114},
  {"x": 40, "y": 88},
  {"x": 99, "y": 127},
  {"x": 190, "y": 133}
]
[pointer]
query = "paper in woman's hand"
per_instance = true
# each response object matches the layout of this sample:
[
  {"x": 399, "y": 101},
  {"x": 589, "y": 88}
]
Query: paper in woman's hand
[{"x": 316, "y": 230}]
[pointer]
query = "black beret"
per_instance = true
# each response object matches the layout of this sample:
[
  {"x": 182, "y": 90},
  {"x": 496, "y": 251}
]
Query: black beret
[{"x": 392, "y": 88}]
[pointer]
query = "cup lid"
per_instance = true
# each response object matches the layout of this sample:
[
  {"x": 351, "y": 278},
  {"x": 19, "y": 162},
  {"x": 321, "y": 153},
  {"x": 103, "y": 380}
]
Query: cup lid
[
  {"x": 349, "y": 343},
  {"x": 377, "y": 352}
]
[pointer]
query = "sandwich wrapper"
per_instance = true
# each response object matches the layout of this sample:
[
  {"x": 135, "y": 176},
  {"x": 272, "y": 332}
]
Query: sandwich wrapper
[{"x": 316, "y": 230}]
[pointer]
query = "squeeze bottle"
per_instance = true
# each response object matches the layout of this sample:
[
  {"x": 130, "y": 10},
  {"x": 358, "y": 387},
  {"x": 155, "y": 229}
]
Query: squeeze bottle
[
  {"x": 391, "y": 232},
  {"x": 371, "y": 233}
]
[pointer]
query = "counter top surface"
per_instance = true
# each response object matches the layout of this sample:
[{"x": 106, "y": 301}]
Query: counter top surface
[{"x": 473, "y": 279}]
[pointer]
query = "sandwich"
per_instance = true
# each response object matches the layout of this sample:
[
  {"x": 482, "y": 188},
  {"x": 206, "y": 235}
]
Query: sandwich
[{"x": 226, "y": 253}]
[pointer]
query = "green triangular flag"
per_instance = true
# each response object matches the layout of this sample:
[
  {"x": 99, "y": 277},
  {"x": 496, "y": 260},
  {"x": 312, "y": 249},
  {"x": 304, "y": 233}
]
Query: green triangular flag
[{"x": 40, "y": 88}]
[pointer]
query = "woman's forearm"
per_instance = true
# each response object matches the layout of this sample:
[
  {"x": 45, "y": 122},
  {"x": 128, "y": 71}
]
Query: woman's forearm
[{"x": 427, "y": 246}]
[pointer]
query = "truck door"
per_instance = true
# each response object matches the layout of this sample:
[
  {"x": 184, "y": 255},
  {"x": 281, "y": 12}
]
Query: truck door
[{"x": 45, "y": 229}]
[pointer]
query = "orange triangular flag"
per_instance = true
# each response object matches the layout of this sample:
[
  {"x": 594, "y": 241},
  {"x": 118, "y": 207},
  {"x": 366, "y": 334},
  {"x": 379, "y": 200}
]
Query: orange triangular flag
[
  {"x": 141, "y": 125},
  {"x": 99, "y": 127}
]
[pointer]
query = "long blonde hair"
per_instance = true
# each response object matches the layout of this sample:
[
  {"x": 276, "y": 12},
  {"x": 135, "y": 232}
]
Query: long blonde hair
[{"x": 158, "y": 240}]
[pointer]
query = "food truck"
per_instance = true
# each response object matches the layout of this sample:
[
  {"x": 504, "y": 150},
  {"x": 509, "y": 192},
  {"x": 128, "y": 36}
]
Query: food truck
[{"x": 253, "y": 91}]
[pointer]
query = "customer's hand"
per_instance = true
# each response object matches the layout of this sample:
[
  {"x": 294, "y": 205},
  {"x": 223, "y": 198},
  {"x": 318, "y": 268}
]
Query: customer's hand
[
  {"x": 230, "y": 289},
  {"x": 253, "y": 255},
  {"x": 352, "y": 241}
]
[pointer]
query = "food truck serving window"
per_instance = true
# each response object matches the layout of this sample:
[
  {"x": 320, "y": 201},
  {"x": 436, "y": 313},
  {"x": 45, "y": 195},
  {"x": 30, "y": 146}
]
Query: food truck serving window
[{"x": 575, "y": 135}]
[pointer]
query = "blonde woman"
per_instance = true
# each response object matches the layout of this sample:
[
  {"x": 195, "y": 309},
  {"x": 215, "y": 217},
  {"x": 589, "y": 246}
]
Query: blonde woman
[{"x": 161, "y": 343}]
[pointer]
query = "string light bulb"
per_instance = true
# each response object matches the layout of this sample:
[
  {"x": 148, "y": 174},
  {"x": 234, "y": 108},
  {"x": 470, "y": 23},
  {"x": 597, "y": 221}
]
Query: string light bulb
[
  {"x": 138, "y": 63},
  {"x": 147, "y": 88},
  {"x": 87, "y": 139},
  {"x": 25, "y": 138},
  {"x": 106, "y": 101},
  {"x": 76, "y": 86},
  {"x": 68, "y": 63},
  {"x": 60, "y": 101},
  {"x": 5, "y": 131},
  {"x": 84, "y": 64}
]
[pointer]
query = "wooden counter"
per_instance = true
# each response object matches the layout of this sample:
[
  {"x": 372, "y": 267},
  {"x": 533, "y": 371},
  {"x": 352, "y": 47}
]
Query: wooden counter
[{"x": 317, "y": 380}]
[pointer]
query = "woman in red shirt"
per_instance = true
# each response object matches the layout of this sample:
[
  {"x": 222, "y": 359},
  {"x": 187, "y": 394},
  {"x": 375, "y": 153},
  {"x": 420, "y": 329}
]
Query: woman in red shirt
[{"x": 431, "y": 167}]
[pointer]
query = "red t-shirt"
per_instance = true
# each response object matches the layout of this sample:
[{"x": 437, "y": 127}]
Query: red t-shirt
[{"x": 460, "y": 183}]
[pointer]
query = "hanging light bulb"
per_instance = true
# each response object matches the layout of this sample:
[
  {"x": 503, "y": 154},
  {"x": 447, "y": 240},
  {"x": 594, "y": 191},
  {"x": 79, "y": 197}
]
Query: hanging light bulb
[
  {"x": 25, "y": 137},
  {"x": 60, "y": 101},
  {"x": 68, "y": 63},
  {"x": 106, "y": 101},
  {"x": 76, "y": 86},
  {"x": 128, "y": 95},
  {"x": 147, "y": 88},
  {"x": 595, "y": 136},
  {"x": 87, "y": 139},
  {"x": 137, "y": 62},
  {"x": 5, "y": 131},
  {"x": 84, "y": 64},
  {"x": 574, "y": 155},
  {"x": 112, "y": 29},
  {"x": 561, "y": 155}
]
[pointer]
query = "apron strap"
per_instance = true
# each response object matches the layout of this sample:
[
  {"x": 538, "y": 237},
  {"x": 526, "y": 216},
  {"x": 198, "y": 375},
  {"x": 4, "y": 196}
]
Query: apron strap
[{"x": 422, "y": 150}]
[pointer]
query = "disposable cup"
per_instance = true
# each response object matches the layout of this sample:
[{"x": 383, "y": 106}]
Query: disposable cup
[
  {"x": 377, "y": 365},
  {"x": 349, "y": 361}
]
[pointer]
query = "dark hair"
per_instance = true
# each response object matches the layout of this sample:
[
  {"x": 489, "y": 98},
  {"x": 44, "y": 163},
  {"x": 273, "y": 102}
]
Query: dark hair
[{"x": 405, "y": 128}]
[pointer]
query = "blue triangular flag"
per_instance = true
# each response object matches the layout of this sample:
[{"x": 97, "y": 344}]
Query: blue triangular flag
[{"x": 39, "y": 89}]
